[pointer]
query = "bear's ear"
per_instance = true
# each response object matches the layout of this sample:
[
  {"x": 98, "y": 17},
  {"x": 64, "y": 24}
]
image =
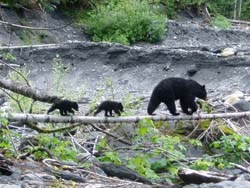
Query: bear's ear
[{"x": 203, "y": 86}]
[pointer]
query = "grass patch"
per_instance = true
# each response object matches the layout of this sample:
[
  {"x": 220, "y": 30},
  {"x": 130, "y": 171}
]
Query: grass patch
[
  {"x": 125, "y": 21},
  {"x": 221, "y": 22}
]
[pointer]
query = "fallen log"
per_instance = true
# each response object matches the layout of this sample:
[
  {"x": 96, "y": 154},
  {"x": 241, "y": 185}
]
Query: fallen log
[
  {"x": 27, "y": 91},
  {"x": 123, "y": 119},
  {"x": 198, "y": 177},
  {"x": 122, "y": 172}
]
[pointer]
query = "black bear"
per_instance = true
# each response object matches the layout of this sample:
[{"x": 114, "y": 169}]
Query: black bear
[
  {"x": 171, "y": 89},
  {"x": 109, "y": 106},
  {"x": 64, "y": 106}
]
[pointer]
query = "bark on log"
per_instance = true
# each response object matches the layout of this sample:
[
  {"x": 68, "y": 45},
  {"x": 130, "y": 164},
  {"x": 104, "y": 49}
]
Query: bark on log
[
  {"x": 122, "y": 172},
  {"x": 125, "y": 119},
  {"x": 198, "y": 177},
  {"x": 27, "y": 91}
]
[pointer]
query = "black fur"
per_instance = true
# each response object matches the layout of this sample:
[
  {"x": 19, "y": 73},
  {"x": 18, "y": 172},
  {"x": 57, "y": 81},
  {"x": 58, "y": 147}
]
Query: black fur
[
  {"x": 109, "y": 106},
  {"x": 171, "y": 89},
  {"x": 64, "y": 106}
]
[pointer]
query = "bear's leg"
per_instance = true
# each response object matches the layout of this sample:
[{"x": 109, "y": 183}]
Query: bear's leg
[
  {"x": 117, "y": 112},
  {"x": 172, "y": 108},
  {"x": 65, "y": 112},
  {"x": 110, "y": 112},
  {"x": 184, "y": 106},
  {"x": 106, "y": 113},
  {"x": 71, "y": 111},
  {"x": 61, "y": 112},
  {"x": 193, "y": 106}
]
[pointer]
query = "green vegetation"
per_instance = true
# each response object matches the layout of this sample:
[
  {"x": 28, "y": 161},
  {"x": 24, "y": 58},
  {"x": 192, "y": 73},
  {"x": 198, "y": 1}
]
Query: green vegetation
[
  {"x": 6, "y": 143},
  {"x": 130, "y": 21},
  {"x": 154, "y": 152},
  {"x": 8, "y": 57},
  {"x": 126, "y": 22},
  {"x": 62, "y": 150},
  {"x": 221, "y": 22},
  {"x": 20, "y": 103},
  {"x": 48, "y": 144},
  {"x": 169, "y": 7},
  {"x": 235, "y": 147}
]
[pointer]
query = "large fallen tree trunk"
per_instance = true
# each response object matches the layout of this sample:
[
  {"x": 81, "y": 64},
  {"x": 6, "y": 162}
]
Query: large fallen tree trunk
[
  {"x": 27, "y": 91},
  {"x": 128, "y": 119}
]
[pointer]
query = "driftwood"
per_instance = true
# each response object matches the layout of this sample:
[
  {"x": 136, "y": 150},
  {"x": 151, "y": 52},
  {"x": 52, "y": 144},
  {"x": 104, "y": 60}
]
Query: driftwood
[
  {"x": 124, "y": 119},
  {"x": 198, "y": 177},
  {"x": 240, "y": 22},
  {"x": 122, "y": 172},
  {"x": 27, "y": 91},
  {"x": 94, "y": 179}
]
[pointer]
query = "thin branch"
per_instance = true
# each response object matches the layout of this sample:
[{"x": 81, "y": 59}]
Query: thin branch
[
  {"x": 31, "y": 106},
  {"x": 240, "y": 167},
  {"x": 14, "y": 99},
  {"x": 18, "y": 72},
  {"x": 34, "y": 28},
  {"x": 11, "y": 139},
  {"x": 109, "y": 134},
  {"x": 41, "y": 130}
]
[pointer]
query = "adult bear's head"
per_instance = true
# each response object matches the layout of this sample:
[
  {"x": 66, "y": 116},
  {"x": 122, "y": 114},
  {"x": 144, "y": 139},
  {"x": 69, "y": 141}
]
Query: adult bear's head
[{"x": 198, "y": 90}]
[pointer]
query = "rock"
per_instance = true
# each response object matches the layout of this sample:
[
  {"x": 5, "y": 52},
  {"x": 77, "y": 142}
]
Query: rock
[
  {"x": 245, "y": 82},
  {"x": 233, "y": 98},
  {"x": 226, "y": 52},
  {"x": 37, "y": 177},
  {"x": 5, "y": 164},
  {"x": 242, "y": 106},
  {"x": 166, "y": 68},
  {"x": 192, "y": 70}
]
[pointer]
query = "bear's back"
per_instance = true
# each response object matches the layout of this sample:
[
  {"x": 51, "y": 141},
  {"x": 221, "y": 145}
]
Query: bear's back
[
  {"x": 109, "y": 105},
  {"x": 177, "y": 86}
]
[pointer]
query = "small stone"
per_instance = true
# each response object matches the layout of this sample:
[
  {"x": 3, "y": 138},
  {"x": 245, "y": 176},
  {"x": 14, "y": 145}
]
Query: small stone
[
  {"x": 192, "y": 70},
  {"x": 166, "y": 68}
]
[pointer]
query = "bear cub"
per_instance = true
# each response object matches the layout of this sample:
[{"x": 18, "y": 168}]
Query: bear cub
[
  {"x": 109, "y": 106},
  {"x": 171, "y": 89},
  {"x": 64, "y": 107}
]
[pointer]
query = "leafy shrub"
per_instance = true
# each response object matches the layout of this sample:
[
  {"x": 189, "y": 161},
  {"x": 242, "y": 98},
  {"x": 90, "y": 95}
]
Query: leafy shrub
[
  {"x": 235, "y": 147},
  {"x": 61, "y": 149},
  {"x": 201, "y": 164},
  {"x": 155, "y": 152},
  {"x": 126, "y": 22},
  {"x": 221, "y": 22}
]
